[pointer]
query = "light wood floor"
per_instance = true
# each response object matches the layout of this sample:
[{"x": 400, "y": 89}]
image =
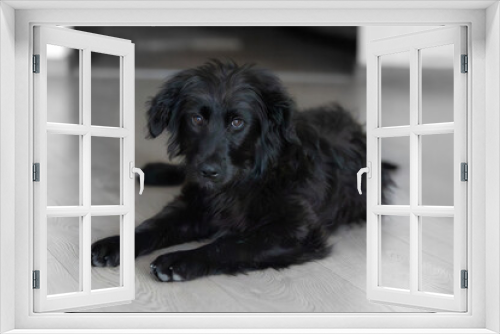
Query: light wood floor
[{"x": 334, "y": 284}]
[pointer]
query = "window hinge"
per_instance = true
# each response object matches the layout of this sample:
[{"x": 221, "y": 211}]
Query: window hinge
[
  {"x": 464, "y": 168},
  {"x": 36, "y": 63},
  {"x": 465, "y": 279},
  {"x": 465, "y": 64},
  {"x": 36, "y": 172},
  {"x": 36, "y": 279}
]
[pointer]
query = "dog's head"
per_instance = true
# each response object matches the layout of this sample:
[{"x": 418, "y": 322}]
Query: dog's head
[{"x": 229, "y": 122}]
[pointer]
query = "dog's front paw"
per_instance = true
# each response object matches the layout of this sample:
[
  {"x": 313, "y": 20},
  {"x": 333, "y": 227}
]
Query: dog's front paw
[
  {"x": 179, "y": 266},
  {"x": 106, "y": 252}
]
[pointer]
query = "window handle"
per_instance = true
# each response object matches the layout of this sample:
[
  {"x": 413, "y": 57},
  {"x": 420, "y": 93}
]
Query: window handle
[
  {"x": 135, "y": 170},
  {"x": 368, "y": 171}
]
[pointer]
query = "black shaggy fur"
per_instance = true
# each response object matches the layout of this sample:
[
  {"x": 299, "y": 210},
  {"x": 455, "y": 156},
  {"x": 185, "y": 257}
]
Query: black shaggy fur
[{"x": 267, "y": 183}]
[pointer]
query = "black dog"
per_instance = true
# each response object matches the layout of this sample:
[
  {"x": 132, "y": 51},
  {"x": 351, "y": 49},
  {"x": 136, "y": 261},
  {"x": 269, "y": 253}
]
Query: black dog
[{"x": 269, "y": 184}]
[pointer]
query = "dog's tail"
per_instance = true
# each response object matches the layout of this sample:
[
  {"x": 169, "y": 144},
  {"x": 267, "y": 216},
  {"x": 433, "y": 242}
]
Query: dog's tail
[
  {"x": 388, "y": 182},
  {"x": 163, "y": 174},
  {"x": 389, "y": 166}
]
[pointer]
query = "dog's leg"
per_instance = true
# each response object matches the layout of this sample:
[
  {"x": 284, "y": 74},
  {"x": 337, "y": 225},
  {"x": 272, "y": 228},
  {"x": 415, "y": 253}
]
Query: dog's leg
[
  {"x": 232, "y": 255},
  {"x": 173, "y": 225},
  {"x": 163, "y": 174}
]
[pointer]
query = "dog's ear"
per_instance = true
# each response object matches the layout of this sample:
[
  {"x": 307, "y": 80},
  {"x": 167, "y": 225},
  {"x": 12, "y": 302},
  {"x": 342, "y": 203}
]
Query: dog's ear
[
  {"x": 165, "y": 109},
  {"x": 164, "y": 105},
  {"x": 276, "y": 126},
  {"x": 280, "y": 108},
  {"x": 158, "y": 116}
]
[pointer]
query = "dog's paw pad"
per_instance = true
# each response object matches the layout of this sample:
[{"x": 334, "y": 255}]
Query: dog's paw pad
[
  {"x": 176, "y": 277},
  {"x": 177, "y": 267},
  {"x": 163, "y": 277},
  {"x": 169, "y": 275}
]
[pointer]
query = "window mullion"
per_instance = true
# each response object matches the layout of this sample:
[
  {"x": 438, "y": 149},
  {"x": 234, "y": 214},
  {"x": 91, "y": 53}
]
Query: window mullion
[
  {"x": 85, "y": 163},
  {"x": 414, "y": 168}
]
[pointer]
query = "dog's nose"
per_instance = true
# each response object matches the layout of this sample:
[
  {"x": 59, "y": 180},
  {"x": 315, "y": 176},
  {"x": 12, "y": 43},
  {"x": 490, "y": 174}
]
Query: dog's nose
[{"x": 210, "y": 171}]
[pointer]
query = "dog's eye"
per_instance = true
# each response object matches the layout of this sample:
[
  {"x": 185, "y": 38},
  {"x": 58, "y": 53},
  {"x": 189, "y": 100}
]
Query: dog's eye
[
  {"x": 197, "y": 120},
  {"x": 237, "y": 123}
]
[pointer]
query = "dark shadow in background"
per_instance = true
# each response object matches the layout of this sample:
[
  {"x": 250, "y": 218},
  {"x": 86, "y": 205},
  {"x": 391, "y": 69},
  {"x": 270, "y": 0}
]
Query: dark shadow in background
[{"x": 311, "y": 49}]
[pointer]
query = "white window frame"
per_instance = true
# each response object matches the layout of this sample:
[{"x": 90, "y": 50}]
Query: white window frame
[
  {"x": 16, "y": 216},
  {"x": 86, "y": 44},
  {"x": 413, "y": 44}
]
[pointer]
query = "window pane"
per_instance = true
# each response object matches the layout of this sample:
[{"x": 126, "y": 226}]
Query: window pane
[
  {"x": 395, "y": 89},
  {"x": 106, "y": 169},
  {"x": 437, "y": 169},
  {"x": 63, "y": 170},
  {"x": 395, "y": 252},
  {"x": 436, "y": 255},
  {"x": 63, "y": 84},
  {"x": 63, "y": 255},
  {"x": 396, "y": 150},
  {"x": 437, "y": 84},
  {"x": 103, "y": 227},
  {"x": 105, "y": 89}
]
